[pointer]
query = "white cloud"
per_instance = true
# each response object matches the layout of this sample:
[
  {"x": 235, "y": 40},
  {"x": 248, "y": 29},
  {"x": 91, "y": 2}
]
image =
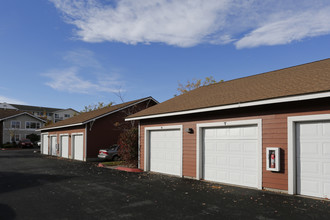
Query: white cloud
[
  {"x": 187, "y": 23},
  {"x": 82, "y": 58},
  {"x": 69, "y": 80},
  {"x": 11, "y": 100},
  {"x": 291, "y": 28},
  {"x": 84, "y": 74}
]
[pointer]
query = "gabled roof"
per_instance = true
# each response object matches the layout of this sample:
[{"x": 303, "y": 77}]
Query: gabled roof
[
  {"x": 35, "y": 108},
  {"x": 86, "y": 117},
  {"x": 10, "y": 113},
  {"x": 289, "y": 84},
  {"x": 61, "y": 110}
]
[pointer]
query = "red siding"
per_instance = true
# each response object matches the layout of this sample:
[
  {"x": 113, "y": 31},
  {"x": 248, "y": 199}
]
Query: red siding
[{"x": 274, "y": 133}]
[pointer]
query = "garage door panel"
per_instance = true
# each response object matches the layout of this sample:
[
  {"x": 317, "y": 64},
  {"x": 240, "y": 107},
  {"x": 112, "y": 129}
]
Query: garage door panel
[
  {"x": 250, "y": 132},
  {"x": 235, "y": 147},
  {"x": 313, "y": 161},
  {"x": 53, "y": 141},
  {"x": 235, "y": 163},
  {"x": 45, "y": 144},
  {"x": 234, "y": 159},
  {"x": 249, "y": 147},
  {"x": 78, "y": 147},
  {"x": 326, "y": 188},
  {"x": 65, "y": 146},
  {"x": 234, "y": 132},
  {"x": 326, "y": 170},
  {"x": 326, "y": 149},
  {"x": 309, "y": 149},
  {"x": 326, "y": 129},
  {"x": 165, "y": 151}
]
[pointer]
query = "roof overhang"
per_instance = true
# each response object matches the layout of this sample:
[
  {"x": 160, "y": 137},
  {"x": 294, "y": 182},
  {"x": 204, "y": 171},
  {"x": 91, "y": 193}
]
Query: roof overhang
[
  {"x": 237, "y": 105},
  {"x": 63, "y": 126}
]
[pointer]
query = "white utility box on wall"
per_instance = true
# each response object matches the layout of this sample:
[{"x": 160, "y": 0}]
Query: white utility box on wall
[{"x": 273, "y": 159}]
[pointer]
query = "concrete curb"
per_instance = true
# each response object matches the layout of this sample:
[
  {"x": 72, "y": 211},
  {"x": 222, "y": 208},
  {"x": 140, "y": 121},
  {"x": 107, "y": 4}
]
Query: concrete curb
[
  {"x": 127, "y": 169},
  {"x": 132, "y": 170}
]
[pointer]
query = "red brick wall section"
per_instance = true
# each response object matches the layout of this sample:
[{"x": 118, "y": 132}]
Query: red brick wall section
[{"x": 274, "y": 133}]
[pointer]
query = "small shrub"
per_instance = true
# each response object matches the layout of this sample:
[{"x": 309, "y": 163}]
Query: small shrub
[
  {"x": 33, "y": 137},
  {"x": 9, "y": 145},
  {"x": 128, "y": 142}
]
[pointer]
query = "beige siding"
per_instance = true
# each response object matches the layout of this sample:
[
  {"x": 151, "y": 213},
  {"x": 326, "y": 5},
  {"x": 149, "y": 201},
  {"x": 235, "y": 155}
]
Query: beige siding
[{"x": 22, "y": 131}]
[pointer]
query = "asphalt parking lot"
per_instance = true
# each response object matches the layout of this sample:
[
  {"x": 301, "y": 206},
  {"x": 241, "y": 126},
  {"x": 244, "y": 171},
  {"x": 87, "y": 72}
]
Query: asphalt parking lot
[{"x": 33, "y": 186}]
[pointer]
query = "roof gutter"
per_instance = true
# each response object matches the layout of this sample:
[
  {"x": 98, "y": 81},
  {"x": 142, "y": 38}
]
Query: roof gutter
[{"x": 238, "y": 105}]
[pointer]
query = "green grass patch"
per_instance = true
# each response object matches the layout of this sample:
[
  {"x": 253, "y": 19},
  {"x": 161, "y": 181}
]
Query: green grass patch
[{"x": 113, "y": 163}]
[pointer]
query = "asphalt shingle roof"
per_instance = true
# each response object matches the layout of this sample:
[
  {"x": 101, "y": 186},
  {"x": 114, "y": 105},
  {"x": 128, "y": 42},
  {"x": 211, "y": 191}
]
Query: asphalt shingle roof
[
  {"x": 5, "y": 113},
  {"x": 87, "y": 116},
  {"x": 297, "y": 80},
  {"x": 35, "y": 108}
]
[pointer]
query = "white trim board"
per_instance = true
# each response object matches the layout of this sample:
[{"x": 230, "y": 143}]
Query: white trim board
[
  {"x": 147, "y": 144},
  {"x": 292, "y": 163},
  {"x": 199, "y": 144},
  {"x": 238, "y": 105}
]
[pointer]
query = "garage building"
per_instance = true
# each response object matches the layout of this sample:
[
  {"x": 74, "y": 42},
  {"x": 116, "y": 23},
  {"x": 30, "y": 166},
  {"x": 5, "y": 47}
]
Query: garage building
[
  {"x": 82, "y": 136},
  {"x": 270, "y": 130}
]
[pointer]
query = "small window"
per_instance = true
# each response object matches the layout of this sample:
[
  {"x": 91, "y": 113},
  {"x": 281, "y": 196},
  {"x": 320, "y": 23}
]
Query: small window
[
  {"x": 15, "y": 124},
  {"x": 32, "y": 125},
  {"x": 17, "y": 137},
  {"x": 56, "y": 116},
  {"x": 67, "y": 115}
]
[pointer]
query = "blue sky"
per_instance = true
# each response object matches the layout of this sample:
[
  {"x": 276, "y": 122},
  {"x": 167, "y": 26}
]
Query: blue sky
[{"x": 69, "y": 54}]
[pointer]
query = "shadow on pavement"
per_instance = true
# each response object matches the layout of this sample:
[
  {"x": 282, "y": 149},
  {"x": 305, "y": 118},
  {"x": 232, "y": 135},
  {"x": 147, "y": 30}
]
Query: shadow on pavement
[
  {"x": 11, "y": 181},
  {"x": 6, "y": 212}
]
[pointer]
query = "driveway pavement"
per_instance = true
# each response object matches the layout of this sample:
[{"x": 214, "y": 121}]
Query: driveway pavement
[{"x": 33, "y": 186}]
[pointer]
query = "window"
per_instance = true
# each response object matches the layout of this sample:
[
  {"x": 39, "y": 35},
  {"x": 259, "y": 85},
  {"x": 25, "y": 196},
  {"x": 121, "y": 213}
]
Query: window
[
  {"x": 32, "y": 125},
  {"x": 67, "y": 115},
  {"x": 56, "y": 116},
  {"x": 16, "y": 137},
  {"x": 15, "y": 124}
]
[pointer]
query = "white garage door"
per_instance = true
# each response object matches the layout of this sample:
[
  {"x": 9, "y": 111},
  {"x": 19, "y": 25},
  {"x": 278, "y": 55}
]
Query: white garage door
[
  {"x": 165, "y": 151},
  {"x": 65, "y": 146},
  {"x": 53, "y": 145},
  {"x": 313, "y": 159},
  {"x": 230, "y": 155},
  {"x": 45, "y": 144},
  {"x": 78, "y": 147}
]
